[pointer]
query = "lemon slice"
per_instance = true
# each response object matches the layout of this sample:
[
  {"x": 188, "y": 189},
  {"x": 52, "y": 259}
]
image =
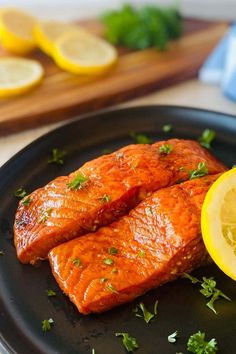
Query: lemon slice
[
  {"x": 16, "y": 31},
  {"x": 47, "y": 32},
  {"x": 218, "y": 222},
  {"x": 82, "y": 53},
  {"x": 18, "y": 75}
]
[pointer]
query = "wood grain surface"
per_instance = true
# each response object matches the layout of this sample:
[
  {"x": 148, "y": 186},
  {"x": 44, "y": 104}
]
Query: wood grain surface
[{"x": 63, "y": 95}]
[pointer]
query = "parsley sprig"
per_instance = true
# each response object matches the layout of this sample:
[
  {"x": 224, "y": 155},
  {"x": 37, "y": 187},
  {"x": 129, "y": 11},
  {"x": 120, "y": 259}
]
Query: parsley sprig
[
  {"x": 200, "y": 171},
  {"x": 130, "y": 343},
  {"x": 142, "y": 312},
  {"x": 58, "y": 157},
  {"x": 20, "y": 193},
  {"x": 47, "y": 324},
  {"x": 208, "y": 135},
  {"x": 78, "y": 182},
  {"x": 148, "y": 26},
  {"x": 51, "y": 293},
  {"x": 198, "y": 345},
  {"x": 172, "y": 338},
  {"x": 209, "y": 290},
  {"x": 165, "y": 149}
]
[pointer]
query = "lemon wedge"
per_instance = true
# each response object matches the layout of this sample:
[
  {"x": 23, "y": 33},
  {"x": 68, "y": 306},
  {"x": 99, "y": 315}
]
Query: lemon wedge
[
  {"x": 218, "y": 222},
  {"x": 16, "y": 31},
  {"x": 79, "y": 52},
  {"x": 47, "y": 32},
  {"x": 18, "y": 75}
]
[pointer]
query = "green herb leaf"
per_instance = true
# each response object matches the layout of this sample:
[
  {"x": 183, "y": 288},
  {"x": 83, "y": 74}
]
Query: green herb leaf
[
  {"x": 142, "y": 312},
  {"x": 44, "y": 215},
  {"x": 140, "y": 138},
  {"x": 20, "y": 193},
  {"x": 114, "y": 270},
  {"x": 209, "y": 290},
  {"x": 200, "y": 171},
  {"x": 191, "y": 278},
  {"x": 166, "y": 149},
  {"x": 57, "y": 157},
  {"x": 78, "y": 182},
  {"x": 93, "y": 351},
  {"x": 105, "y": 198},
  {"x": 77, "y": 262},
  {"x": 142, "y": 253},
  {"x": 51, "y": 292},
  {"x": 108, "y": 261},
  {"x": 148, "y": 26},
  {"x": 172, "y": 338},
  {"x": 167, "y": 128},
  {"x": 208, "y": 135},
  {"x": 112, "y": 250},
  {"x": 197, "y": 344},
  {"x": 111, "y": 288},
  {"x": 26, "y": 201},
  {"x": 129, "y": 343},
  {"x": 46, "y": 324}
]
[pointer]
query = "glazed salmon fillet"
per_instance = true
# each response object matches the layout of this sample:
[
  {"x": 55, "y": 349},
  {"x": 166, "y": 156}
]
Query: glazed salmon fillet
[
  {"x": 158, "y": 241},
  {"x": 100, "y": 192}
]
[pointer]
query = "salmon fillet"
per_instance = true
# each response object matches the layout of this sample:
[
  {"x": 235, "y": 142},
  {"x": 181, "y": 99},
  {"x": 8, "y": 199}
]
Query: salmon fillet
[
  {"x": 158, "y": 241},
  {"x": 111, "y": 186}
]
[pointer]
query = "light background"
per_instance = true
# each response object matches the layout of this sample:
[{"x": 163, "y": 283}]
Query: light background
[{"x": 74, "y": 9}]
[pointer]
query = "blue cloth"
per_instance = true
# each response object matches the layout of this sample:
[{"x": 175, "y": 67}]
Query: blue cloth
[{"x": 220, "y": 66}]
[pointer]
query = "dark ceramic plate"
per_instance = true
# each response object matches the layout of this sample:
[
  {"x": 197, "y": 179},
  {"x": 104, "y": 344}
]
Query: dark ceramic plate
[{"x": 23, "y": 299}]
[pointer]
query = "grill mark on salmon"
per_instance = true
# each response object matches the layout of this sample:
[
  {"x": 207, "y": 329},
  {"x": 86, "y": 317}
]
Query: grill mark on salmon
[
  {"x": 152, "y": 248},
  {"x": 127, "y": 176}
]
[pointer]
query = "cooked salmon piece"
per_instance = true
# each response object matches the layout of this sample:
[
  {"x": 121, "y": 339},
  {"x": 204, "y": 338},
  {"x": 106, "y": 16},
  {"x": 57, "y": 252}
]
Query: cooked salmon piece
[
  {"x": 158, "y": 241},
  {"x": 100, "y": 192}
]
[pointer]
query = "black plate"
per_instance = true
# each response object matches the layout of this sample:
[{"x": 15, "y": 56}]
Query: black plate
[{"x": 23, "y": 299}]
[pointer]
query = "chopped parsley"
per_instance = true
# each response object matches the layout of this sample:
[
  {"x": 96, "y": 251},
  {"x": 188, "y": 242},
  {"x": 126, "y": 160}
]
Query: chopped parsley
[
  {"x": 47, "y": 324},
  {"x": 105, "y": 198},
  {"x": 142, "y": 312},
  {"x": 172, "y": 338},
  {"x": 51, "y": 293},
  {"x": 114, "y": 270},
  {"x": 165, "y": 149},
  {"x": 77, "y": 262},
  {"x": 57, "y": 157},
  {"x": 140, "y": 138},
  {"x": 198, "y": 345},
  {"x": 78, "y": 182},
  {"x": 129, "y": 343},
  {"x": 93, "y": 351},
  {"x": 208, "y": 135},
  {"x": 111, "y": 288},
  {"x": 112, "y": 250},
  {"x": 26, "y": 201},
  {"x": 209, "y": 290},
  {"x": 148, "y": 211},
  {"x": 45, "y": 215},
  {"x": 20, "y": 193},
  {"x": 145, "y": 27},
  {"x": 200, "y": 171},
  {"x": 167, "y": 128},
  {"x": 1, "y": 253},
  {"x": 108, "y": 261},
  {"x": 142, "y": 253}
]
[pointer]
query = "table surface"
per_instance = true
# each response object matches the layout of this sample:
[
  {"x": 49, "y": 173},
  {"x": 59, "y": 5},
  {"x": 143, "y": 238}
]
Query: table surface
[{"x": 192, "y": 93}]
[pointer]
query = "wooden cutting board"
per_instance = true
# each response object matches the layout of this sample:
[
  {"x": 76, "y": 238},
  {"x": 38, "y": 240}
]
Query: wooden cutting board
[{"x": 63, "y": 95}]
